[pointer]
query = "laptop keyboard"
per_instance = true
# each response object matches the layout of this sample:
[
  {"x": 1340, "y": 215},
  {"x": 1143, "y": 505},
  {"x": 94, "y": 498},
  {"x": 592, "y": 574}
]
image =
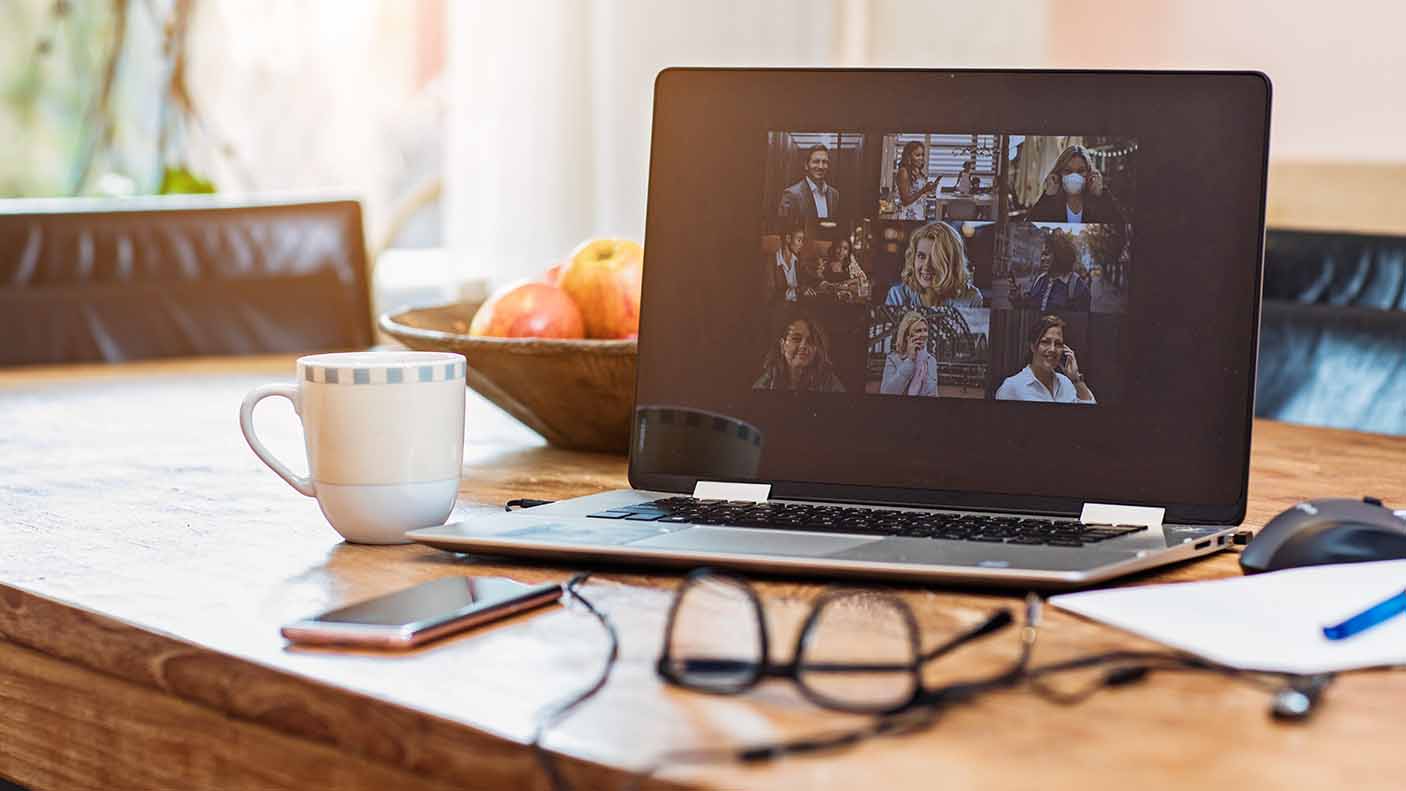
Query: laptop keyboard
[{"x": 867, "y": 521}]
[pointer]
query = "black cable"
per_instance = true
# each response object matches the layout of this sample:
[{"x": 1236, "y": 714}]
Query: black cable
[
  {"x": 919, "y": 716},
  {"x": 1131, "y": 667},
  {"x": 1124, "y": 668},
  {"x": 902, "y": 723},
  {"x": 554, "y": 713},
  {"x": 525, "y": 502}
]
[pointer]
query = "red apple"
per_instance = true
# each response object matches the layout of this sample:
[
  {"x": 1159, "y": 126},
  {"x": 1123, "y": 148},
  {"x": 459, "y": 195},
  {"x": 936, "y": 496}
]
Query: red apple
[
  {"x": 603, "y": 277},
  {"x": 528, "y": 310}
]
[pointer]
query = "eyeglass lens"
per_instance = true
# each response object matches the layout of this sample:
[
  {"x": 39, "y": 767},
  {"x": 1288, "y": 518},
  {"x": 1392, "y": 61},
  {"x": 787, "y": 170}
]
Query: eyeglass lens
[
  {"x": 859, "y": 652},
  {"x": 715, "y": 641}
]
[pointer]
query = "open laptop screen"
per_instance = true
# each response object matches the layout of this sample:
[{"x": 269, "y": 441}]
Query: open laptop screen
[{"x": 1022, "y": 290}]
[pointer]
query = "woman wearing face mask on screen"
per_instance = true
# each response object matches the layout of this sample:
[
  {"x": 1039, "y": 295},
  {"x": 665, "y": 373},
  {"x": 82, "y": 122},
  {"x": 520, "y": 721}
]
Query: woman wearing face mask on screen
[{"x": 1075, "y": 192}]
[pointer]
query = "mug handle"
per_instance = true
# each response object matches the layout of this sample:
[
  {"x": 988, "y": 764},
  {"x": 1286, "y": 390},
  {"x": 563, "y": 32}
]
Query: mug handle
[{"x": 246, "y": 424}]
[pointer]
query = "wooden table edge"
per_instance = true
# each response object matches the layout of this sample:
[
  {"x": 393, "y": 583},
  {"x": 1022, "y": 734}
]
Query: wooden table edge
[{"x": 265, "y": 697}]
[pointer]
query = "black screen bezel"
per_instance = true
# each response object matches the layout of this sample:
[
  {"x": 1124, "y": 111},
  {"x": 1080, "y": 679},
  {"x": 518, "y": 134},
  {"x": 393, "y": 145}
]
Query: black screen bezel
[{"x": 1232, "y": 512}]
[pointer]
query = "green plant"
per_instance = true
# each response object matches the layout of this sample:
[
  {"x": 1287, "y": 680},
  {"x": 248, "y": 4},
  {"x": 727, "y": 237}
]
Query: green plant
[{"x": 80, "y": 104}]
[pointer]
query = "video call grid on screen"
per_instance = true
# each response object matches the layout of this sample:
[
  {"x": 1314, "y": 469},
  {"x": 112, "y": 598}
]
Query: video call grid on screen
[
  {"x": 936, "y": 233},
  {"x": 1157, "y": 305}
]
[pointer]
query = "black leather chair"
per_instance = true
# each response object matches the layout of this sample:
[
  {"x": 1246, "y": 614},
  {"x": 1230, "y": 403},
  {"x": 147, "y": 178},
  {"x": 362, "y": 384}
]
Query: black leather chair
[
  {"x": 114, "y": 280},
  {"x": 1333, "y": 331}
]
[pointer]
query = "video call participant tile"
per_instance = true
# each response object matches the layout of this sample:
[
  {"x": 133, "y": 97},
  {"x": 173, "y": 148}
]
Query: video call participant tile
[
  {"x": 1072, "y": 178},
  {"x": 928, "y": 352},
  {"x": 799, "y": 267},
  {"x": 936, "y": 264},
  {"x": 812, "y": 178},
  {"x": 928, "y": 176},
  {"x": 816, "y": 349},
  {"x": 1059, "y": 267},
  {"x": 1054, "y": 358}
]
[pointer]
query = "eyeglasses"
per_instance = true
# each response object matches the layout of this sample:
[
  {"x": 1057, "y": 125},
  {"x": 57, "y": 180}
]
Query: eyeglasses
[{"x": 717, "y": 641}]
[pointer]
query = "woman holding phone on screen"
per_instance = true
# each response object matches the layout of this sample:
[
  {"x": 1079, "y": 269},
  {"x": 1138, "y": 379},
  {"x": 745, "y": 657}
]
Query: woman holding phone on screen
[
  {"x": 1060, "y": 287},
  {"x": 910, "y": 369},
  {"x": 1053, "y": 374},
  {"x": 912, "y": 182}
]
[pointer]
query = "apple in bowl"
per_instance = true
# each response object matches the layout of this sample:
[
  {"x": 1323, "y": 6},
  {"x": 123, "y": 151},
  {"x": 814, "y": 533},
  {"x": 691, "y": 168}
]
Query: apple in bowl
[
  {"x": 528, "y": 310},
  {"x": 557, "y": 353},
  {"x": 603, "y": 278}
]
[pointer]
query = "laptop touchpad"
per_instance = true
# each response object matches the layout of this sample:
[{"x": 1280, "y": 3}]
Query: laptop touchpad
[{"x": 754, "y": 541}]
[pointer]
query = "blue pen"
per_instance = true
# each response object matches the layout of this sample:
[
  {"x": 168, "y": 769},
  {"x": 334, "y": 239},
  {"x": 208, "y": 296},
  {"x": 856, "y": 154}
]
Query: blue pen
[{"x": 1361, "y": 622}]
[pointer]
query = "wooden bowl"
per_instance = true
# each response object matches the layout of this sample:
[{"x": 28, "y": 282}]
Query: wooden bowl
[{"x": 577, "y": 394}]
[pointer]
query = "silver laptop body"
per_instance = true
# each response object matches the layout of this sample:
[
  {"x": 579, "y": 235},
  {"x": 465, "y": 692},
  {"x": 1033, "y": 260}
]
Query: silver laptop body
[
  {"x": 1142, "y": 460},
  {"x": 565, "y": 532}
]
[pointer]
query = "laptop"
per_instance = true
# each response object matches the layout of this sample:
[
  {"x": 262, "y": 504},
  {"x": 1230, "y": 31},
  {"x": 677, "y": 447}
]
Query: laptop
[{"x": 842, "y": 375}]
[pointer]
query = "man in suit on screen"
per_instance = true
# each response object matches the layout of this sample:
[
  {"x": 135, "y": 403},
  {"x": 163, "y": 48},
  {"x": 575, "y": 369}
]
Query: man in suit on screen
[{"x": 812, "y": 198}]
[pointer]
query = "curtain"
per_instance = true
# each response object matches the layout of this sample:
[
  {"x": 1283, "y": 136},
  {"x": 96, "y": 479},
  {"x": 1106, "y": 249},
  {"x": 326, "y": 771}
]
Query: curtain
[
  {"x": 550, "y": 100},
  {"x": 550, "y": 111}
]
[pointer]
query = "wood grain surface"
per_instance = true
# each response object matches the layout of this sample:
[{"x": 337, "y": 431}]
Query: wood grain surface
[
  {"x": 1337, "y": 197},
  {"x": 147, "y": 560}
]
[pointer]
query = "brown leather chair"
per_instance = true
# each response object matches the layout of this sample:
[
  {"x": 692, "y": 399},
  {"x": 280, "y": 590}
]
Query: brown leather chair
[
  {"x": 1333, "y": 331},
  {"x": 112, "y": 280}
]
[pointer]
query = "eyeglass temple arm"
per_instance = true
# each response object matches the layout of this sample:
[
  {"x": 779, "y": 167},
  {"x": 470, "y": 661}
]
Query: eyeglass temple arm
[
  {"x": 998, "y": 621},
  {"x": 965, "y": 690},
  {"x": 723, "y": 665}
]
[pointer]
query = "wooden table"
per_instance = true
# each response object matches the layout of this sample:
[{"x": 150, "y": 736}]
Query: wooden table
[{"x": 147, "y": 560}]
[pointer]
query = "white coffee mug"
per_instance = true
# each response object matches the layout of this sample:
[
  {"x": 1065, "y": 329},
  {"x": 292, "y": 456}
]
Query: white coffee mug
[{"x": 384, "y": 433}]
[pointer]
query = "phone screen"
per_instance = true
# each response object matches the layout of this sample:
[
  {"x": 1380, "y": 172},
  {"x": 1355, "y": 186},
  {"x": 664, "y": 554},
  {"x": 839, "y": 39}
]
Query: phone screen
[{"x": 433, "y": 602}]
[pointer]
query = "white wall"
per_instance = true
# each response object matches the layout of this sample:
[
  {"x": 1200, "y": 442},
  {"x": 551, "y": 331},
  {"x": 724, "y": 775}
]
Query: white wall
[
  {"x": 1339, "y": 67},
  {"x": 984, "y": 34},
  {"x": 550, "y": 120}
]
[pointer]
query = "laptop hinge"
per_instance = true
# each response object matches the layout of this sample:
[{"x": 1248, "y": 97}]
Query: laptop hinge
[
  {"x": 1105, "y": 514},
  {"x": 716, "y": 490}
]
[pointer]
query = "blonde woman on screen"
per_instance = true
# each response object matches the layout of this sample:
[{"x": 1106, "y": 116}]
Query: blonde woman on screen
[
  {"x": 910, "y": 369},
  {"x": 935, "y": 272}
]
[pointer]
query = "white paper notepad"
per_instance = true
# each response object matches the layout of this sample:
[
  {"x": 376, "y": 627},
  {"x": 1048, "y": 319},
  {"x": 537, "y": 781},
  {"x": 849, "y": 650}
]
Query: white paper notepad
[{"x": 1263, "y": 622}]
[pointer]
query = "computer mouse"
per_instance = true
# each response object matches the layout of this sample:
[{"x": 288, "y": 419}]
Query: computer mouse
[{"x": 1319, "y": 532}]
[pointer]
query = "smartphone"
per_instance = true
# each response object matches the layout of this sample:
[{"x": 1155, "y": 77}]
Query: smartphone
[{"x": 415, "y": 615}]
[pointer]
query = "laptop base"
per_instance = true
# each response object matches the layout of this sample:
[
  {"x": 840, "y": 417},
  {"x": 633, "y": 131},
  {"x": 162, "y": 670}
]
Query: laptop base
[{"x": 565, "y": 531}]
